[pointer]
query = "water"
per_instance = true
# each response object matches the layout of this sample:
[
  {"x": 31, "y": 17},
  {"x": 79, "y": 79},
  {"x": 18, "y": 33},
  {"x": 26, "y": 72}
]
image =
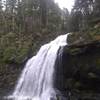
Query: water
[{"x": 36, "y": 81}]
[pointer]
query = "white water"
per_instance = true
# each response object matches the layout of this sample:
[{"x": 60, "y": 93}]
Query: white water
[{"x": 36, "y": 81}]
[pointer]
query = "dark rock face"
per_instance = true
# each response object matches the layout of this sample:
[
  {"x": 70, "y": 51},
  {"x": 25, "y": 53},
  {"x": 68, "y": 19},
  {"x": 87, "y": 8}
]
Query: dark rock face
[{"x": 78, "y": 70}]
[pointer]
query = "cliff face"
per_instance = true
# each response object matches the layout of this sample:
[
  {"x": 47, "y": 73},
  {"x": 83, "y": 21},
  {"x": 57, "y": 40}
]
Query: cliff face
[{"x": 78, "y": 69}]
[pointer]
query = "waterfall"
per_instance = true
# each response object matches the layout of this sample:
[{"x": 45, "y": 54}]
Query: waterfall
[{"x": 36, "y": 80}]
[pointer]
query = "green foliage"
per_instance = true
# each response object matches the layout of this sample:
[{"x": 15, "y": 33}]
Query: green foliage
[
  {"x": 25, "y": 24},
  {"x": 14, "y": 48},
  {"x": 83, "y": 12}
]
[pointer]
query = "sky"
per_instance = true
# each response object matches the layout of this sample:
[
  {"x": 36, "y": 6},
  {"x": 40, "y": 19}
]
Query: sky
[{"x": 65, "y": 4}]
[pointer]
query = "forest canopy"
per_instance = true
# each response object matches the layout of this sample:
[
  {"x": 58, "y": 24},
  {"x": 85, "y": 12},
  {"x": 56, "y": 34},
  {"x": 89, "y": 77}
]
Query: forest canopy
[{"x": 26, "y": 24}]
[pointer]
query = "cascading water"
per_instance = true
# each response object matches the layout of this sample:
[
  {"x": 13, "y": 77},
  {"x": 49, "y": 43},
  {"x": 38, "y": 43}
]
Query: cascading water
[{"x": 36, "y": 81}]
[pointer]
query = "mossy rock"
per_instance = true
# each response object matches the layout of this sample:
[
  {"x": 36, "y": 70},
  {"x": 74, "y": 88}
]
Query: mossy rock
[
  {"x": 84, "y": 37},
  {"x": 81, "y": 64}
]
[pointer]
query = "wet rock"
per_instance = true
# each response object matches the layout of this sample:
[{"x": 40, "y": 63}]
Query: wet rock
[{"x": 78, "y": 70}]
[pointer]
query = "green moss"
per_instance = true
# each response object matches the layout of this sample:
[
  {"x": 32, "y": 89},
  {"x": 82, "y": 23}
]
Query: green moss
[
  {"x": 9, "y": 53},
  {"x": 74, "y": 51}
]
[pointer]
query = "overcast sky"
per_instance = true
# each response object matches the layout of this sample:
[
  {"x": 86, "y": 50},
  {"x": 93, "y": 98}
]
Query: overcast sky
[{"x": 65, "y": 4}]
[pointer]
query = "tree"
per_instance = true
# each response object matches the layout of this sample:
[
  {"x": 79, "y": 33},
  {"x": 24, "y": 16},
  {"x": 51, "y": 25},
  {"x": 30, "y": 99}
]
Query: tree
[
  {"x": 96, "y": 10},
  {"x": 85, "y": 9},
  {"x": 65, "y": 20},
  {"x": 10, "y": 13},
  {"x": 43, "y": 8},
  {"x": 1, "y": 16},
  {"x": 31, "y": 16}
]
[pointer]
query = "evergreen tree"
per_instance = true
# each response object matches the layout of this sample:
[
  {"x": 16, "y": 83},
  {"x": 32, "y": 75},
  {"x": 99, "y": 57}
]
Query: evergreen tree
[{"x": 96, "y": 8}]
